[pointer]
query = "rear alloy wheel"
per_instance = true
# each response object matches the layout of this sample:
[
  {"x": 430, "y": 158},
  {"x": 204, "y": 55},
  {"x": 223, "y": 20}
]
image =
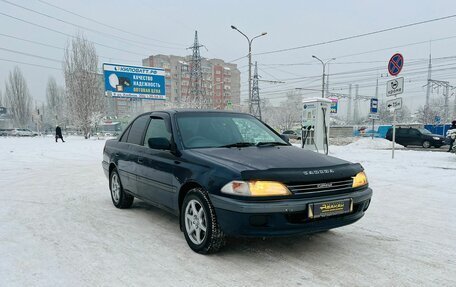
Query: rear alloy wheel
[
  {"x": 426, "y": 144},
  {"x": 120, "y": 199},
  {"x": 199, "y": 222}
]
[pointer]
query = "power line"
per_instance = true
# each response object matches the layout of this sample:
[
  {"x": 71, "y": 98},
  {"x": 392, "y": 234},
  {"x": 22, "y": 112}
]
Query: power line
[
  {"x": 56, "y": 47},
  {"x": 30, "y": 64},
  {"x": 68, "y": 35},
  {"x": 30, "y": 55},
  {"x": 143, "y": 45},
  {"x": 358, "y": 35},
  {"x": 107, "y": 25}
]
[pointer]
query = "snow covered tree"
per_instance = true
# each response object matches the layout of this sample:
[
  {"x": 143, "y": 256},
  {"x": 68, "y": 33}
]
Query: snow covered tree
[
  {"x": 18, "y": 98},
  {"x": 82, "y": 81},
  {"x": 55, "y": 100},
  {"x": 2, "y": 104}
]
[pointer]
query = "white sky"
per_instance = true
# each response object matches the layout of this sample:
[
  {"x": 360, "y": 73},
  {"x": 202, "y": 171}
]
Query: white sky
[{"x": 288, "y": 23}]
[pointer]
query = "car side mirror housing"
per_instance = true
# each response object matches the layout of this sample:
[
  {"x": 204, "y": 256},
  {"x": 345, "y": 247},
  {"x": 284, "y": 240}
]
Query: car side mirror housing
[{"x": 159, "y": 143}]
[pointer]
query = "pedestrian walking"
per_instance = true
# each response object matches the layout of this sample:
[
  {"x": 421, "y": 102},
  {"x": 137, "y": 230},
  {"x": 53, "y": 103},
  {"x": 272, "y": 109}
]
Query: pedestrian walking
[
  {"x": 452, "y": 127},
  {"x": 58, "y": 134}
]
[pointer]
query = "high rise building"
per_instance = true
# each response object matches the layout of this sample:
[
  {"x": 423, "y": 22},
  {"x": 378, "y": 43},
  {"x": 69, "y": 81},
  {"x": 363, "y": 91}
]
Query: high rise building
[{"x": 221, "y": 81}]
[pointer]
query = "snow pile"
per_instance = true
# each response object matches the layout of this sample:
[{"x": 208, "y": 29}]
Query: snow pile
[{"x": 375, "y": 143}]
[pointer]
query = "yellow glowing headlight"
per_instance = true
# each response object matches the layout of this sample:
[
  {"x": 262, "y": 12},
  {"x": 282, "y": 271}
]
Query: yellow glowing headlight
[
  {"x": 256, "y": 188},
  {"x": 359, "y": 180}
]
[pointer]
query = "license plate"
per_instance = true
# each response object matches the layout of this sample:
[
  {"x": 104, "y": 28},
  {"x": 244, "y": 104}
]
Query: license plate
[{"x": 330, "y": 208}]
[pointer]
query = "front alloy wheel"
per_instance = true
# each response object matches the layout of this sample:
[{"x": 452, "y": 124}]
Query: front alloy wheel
[
  {"x": 195, "y": 222},
  {"x": 426, "y": 144},
  {"x": 199, "y": 223}
]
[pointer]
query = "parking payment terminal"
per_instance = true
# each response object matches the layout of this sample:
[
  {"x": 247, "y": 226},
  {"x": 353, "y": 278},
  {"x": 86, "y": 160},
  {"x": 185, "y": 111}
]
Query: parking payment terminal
[{"x": 315, "y": 124}]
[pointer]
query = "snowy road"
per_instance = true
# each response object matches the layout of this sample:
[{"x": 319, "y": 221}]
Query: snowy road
[{"x": 58, "y": 228}]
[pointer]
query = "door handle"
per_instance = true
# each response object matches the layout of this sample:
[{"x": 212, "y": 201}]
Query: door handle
[{"x": 140, "y": 160}]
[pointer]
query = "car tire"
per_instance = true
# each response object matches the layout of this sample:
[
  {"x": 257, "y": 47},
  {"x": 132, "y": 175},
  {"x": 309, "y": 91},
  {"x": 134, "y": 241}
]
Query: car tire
[
  {"x": 119, "y": 197},
  {"x": 199, "y": 223},
  {"x": 426, "y": 144}
]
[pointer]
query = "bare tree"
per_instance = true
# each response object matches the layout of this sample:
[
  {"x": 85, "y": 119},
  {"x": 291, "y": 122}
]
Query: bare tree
[
  {"x": 428, "y": 114},
  {"x": 386, "y": 117},
  {"x": 55, "y": 101},
  {"x": 18, "y": 98},
  {"x": 83, "y": 83}
]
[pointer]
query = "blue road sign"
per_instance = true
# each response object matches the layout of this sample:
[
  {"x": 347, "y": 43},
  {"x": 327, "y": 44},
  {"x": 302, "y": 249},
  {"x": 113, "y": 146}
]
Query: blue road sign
[
  {"x": 395, "y": 64},
  {"x": 334, "y": 105},
  {"x": 134, "y": 82},
  {"x": 437, "y": 119},
  {"x": 374, "y": 106}
]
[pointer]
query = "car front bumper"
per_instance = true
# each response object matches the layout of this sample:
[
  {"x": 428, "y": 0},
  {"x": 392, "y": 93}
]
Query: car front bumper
[{"x": 284, "y": 217}]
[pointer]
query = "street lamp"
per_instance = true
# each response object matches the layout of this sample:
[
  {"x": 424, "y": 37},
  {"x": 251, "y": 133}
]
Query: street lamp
[
  {"x": 323, "y": 79},
  {"x": 250, "y": 62}
]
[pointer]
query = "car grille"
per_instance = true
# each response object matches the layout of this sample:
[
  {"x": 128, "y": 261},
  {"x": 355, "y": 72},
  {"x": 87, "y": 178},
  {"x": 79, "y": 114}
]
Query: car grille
[{"x": 322, "y": 187}]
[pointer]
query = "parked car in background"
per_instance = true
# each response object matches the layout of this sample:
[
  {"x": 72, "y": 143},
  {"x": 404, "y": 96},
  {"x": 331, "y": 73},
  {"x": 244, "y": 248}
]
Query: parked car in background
[
  {"x": 416, "y": 136},
  {"x": 23, "y": 133},
  {"x": 294, "y": 135},
  {"x": 5, "y": 132}
]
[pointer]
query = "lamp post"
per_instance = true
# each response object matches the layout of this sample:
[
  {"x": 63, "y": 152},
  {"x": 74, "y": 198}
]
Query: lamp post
[
  {"x": 323, "y": 78},
  {"x": 250, "y": 62}
]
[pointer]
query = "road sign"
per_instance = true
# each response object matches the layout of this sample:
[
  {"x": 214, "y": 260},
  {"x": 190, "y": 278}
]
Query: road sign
[
  {"x": 394, "y": 104},
  {"x": 334, "y": 105},
  {"x": 395, "y": 64},
  {"x": 374, "y": 105},
  {"x": 134, "y": 82},
  {"x": 2, "y": 110},
  {"x": 395, "y": 87},
  {"x": 374, "y": 116},
  {"x": 437, "y": 119}
]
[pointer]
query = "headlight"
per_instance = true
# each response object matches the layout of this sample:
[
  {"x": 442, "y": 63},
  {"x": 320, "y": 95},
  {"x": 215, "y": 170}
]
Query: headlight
[
  {"x": 436, "y": 138},
  {"x": 359, "y": 180},
  {"x": 256, "y": 188}
]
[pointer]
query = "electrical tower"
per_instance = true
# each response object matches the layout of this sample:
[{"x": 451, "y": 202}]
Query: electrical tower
[
  {"x": 196, "y": 91},
  {"x": 436, "y": 84},
  {"x": 255, "y": 101}
]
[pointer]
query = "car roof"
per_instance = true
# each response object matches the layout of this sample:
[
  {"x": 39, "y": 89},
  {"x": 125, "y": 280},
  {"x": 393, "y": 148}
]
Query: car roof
[{"x": 196, "y": 111}]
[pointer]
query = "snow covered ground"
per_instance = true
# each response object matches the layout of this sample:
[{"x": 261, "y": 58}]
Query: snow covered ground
[{"x": 58, "y": 228}]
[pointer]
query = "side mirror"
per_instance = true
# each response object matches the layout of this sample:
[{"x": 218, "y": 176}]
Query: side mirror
[
  {"x": 285, "y": 138},
  {"x": 159, "y": 143}
]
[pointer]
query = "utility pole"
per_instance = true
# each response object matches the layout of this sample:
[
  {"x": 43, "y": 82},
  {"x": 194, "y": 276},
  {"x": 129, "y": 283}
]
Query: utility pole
[
  {"x": 428, "y": 90},
  {"x": 196, "y": 90},
  {"x": 356, "y": 107},
  {"x": 349, "y": 106},
  {"x": 256, "y": 107},
  {"x": 250, "y": 64},
  {"x": 323, "y": 76}
]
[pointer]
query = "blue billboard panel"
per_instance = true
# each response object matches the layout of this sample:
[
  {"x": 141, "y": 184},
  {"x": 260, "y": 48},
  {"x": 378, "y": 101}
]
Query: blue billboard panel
[{"x": 134, "y": 82}]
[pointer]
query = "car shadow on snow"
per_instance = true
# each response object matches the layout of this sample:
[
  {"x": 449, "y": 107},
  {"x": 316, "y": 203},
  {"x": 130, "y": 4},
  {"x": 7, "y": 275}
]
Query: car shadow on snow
[{"x": 297, "y": 245}]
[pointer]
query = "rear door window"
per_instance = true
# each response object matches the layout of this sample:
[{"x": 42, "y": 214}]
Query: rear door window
[{"x": 135, "y": 136}]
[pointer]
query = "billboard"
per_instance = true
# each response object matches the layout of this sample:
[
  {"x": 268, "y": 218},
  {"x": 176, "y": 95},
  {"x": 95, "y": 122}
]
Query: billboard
[{"x": 137, "y": 82}]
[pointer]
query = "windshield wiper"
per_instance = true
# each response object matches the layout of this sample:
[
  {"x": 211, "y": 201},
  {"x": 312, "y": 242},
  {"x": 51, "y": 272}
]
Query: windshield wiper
[
  {"x": 270, "y": 143},
  {"x": 239, "y": 144}
]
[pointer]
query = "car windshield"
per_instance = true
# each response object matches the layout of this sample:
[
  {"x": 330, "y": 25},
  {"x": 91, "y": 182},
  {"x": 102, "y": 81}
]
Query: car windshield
[
  {"x": 425, "y": 131},
  {"x": 224, "y": 130}
]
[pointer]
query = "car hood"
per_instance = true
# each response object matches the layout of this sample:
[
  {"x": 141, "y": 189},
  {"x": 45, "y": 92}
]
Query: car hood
[{"x": 284, "y": 163}]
